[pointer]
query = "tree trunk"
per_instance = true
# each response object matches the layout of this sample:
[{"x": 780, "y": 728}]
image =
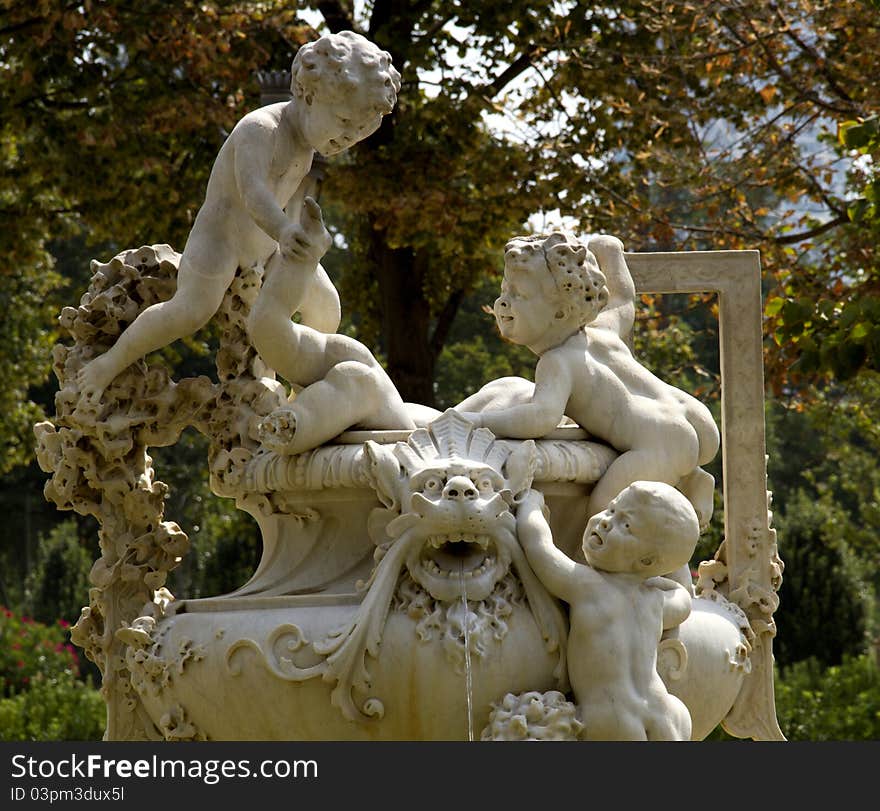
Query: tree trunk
[{"x": 406, "y": 321}]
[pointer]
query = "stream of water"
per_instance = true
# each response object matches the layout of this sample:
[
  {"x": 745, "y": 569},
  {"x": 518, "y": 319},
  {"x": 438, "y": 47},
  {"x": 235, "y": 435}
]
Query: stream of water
[{"x": 468, "y": 678}]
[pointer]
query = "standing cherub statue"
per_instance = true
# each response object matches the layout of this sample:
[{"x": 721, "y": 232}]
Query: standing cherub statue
[
  {"x": 342, "y": 86},
  {"x": 620, "y": 604},
  {"x": 576, "y": 318}
]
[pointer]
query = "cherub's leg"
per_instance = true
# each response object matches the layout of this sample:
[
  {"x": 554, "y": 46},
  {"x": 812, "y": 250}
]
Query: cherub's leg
[
  {"x": 194, "y": 303},
  {"x": 669, "y": 722},
  {"x": 631, "y": 466},
  {"x": 611, "y": 721},
  {"x": 701, "y": 420},
  {"x": 699, "y": 487},
  {"x": 298, "y": 352},
  {"x": 320, "y": 308},
  {"x": 504, "y": 392},
  {"x": 622, "y": 472},
  {"x": 351, "y": 394},
  {"x": 421, "y": 415}
]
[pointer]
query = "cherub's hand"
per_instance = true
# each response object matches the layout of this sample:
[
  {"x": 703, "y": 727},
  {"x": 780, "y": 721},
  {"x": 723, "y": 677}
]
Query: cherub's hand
[
  {"x": 532, "y": 500},
  {"x": 473, "y": 417},
  {"x": 307, "y": 240}
]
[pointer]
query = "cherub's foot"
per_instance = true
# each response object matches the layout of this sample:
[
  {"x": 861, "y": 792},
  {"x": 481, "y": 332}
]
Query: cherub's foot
[
  {"x": 699, "y": 487},
  {"x": 277, "y": 430}
]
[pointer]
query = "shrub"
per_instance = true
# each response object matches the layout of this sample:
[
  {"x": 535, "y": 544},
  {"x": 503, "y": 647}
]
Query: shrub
[
  {"x": 31, "y": 651},
  {"x": 42, "y": 697},
  {"x": 837, "y": 703},
  {"x": 56, "y": 709},
  {"x": 824, "y": 600},
  {"x": 58, "y": 584}
]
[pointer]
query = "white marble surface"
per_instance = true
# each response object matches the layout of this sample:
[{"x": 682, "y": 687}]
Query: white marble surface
[{"x": 424, "y": 576}]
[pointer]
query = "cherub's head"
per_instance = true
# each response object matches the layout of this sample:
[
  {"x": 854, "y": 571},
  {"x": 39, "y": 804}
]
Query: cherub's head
[
  {"x": 552, "y": 287},
  {"x": 343, "y": 84},
  {"x": 650, "y": 528}
]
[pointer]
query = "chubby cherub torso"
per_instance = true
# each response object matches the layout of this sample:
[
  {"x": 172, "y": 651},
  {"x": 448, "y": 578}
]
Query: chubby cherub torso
[
  {"x": 613, "y": 637},
  {"x": 610, "y": 394},
  {"x": 260, "y": 156}
]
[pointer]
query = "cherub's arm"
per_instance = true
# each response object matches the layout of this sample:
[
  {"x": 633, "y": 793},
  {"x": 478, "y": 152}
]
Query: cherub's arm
[
  {"x": 542, "y": 413},
  {"x": 677, "y": 601},
  {"x": 620, "y": 311},
  {"x": 558, "y": 572},
  {"x": 252, "y": 156}
]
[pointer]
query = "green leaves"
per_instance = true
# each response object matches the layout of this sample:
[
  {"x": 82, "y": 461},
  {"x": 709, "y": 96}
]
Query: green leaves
[
  {"x": 697, "y": 129},
  {"x": 840, "y": 703},
  {"x": 863, "y": 136},
  {"x": 840, "y": 337}
]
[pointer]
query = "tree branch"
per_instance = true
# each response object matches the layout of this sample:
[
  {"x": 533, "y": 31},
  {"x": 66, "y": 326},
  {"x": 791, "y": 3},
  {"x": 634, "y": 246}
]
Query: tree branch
[
  {"x": 817, "y": 62},
  {"x": 519, "y": 65},
  {"x": 11, "y": 29},
  {"x": 786, "y": 76},
  {"x": 791, "y": 239},
  {"x": 437, "y": 27},
  {"x": 337, "y": 15}
]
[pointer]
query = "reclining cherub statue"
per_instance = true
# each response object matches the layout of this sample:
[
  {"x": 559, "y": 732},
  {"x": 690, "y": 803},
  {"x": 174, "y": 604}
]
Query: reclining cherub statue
[{"x": 576, "y": 318}]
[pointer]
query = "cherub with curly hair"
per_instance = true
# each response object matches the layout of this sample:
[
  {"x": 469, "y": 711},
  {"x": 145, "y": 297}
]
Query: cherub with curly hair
[
  {"x": 573, "y": 305},
  {"x": 342, "y": 86}
]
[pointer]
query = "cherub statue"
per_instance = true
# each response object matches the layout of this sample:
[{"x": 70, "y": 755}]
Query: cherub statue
[
  {"x": 576, "y": 318},
  {"x": 620, "y": 605},
  {"x": 342, "y": 86}
]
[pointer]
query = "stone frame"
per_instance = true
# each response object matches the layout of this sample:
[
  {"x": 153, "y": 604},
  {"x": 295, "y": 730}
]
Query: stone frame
[{"x": 746, "y": 568}]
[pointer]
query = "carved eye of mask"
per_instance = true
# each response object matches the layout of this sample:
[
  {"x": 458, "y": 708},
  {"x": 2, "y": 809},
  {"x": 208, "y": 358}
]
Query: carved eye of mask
[
  {"x": 433, "y": 485},
  {"x": 484, "y": 484}
]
